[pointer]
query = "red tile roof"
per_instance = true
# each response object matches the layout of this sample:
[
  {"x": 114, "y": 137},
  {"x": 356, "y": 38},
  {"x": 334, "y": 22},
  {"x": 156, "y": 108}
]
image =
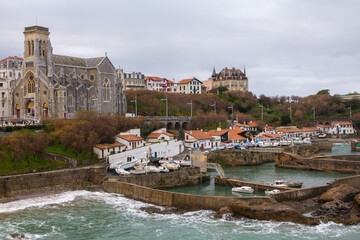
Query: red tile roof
[
  {"x": 217, "y": 133},
  {"x": 234, "y": 135},
  {"x": 155, "y": 78},
  {"x": 156, "y": 135},
  {"x": 287, "y": 130},
  {"x": 109, "y": 145},
  {"x": 170, "y": 82},
  {"x": 310, "y": 129},
  {"x": 200, "y": 135},
  {"x": 186, "y": 80},
  {"x": 253, "y": 124},
  {"x": 11, "y": 58},
  {"x": 130, "y": 138}
]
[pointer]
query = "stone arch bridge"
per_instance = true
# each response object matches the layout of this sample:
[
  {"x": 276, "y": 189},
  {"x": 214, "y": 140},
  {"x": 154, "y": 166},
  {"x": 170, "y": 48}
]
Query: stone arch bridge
[{"x": 179, "y": 123}]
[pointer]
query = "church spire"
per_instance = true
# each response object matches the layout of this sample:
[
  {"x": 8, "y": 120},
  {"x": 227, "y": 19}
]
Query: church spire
[{"x": 214, "y": 72}]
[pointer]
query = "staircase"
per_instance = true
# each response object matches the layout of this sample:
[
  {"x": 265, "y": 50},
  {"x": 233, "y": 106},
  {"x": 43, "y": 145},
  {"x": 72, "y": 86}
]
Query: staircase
[{"x": 206, "y": 165}]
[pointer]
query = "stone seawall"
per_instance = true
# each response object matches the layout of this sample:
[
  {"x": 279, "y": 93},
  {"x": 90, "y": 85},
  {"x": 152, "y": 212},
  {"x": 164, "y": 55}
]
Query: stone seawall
[
  {"x": 240, "y": 157},
  {"x": 324, "y": 163},
  {"x": 184, "y": 177},
  {"x": 15, "y": 186},
  {"x": 178, "y": 200}
]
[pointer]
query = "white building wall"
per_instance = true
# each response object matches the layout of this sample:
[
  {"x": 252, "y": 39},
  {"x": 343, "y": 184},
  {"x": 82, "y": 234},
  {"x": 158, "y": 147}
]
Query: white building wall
[{"x": 162, "y": 149}]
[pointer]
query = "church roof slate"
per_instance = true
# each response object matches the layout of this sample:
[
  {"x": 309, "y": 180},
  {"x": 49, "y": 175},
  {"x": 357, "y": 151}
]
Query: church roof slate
[{"x": 76, "y": 61}]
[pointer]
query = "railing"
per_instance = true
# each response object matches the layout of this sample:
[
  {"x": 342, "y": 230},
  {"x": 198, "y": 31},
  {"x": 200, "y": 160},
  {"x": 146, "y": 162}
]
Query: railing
[
  {"x": 207, "y": 165},
  {"x": 170, "y": 118},
  {"x": 268, "y": 150}
]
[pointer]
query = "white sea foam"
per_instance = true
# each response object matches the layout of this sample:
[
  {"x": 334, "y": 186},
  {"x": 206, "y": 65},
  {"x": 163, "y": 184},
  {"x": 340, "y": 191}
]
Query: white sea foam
[{"x": 42, "y": 201}]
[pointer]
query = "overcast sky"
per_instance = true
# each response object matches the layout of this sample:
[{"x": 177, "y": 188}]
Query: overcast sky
[{"x": 288, "y": 47}]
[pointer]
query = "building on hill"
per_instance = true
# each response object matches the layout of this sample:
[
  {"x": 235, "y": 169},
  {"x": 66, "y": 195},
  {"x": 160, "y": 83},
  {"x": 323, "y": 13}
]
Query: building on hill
[
  {"x": 160, "y": 135},
  {"x": 10, "y": 70},
  {"x": 199, "y": 139},
  {"x": 156, "y": 84},
  {"x": 233, "y": 79},
  {"x": 337, "y": 128},
  {"x": 58, "y": 86},
  {"x": 191, "y": 85},
  {"x": 134, "y": 80}
]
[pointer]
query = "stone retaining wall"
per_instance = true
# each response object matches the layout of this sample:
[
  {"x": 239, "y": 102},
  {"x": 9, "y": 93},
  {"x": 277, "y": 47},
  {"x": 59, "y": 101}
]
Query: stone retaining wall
[
  {"x": 184, "y": 177},
  {"x": 240, "y": 157},
  {"x": 178, "y": 200},
  {"x": 329, "y": 164},
  {"x": 48, "y": 182}
]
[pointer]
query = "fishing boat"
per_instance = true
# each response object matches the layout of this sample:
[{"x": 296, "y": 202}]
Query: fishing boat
[
  {"x": 121, "y": 171},
  {"x": 270, "y": 192},
  {"x": 128, "y": 163},
  {"x": 163, "y": 169},
  {"x": 172, "y": 166},
  {"x": 243, "y": 189},
  {"x": 294, "y": 184},
  {"x": 151, "y": 169},
  {"x": 280, "y": 183}
]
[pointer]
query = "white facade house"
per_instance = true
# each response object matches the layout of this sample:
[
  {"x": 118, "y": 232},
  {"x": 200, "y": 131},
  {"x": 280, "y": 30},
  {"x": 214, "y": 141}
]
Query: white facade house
[
  {"x": 104, "y": 150},
  {"x": 134, "y": 80},
  {"x": 160, "y": 135},
  {"x": 130, "y": 141},
  {"x": 339, "y": 128},
  {"x": 10, "y": 70},
  {"x": 156, "y": 84},
  {"x": 156, "y": 150},
  {"x": 199, "y": 139},
  {"x": 191, "y": 85}
]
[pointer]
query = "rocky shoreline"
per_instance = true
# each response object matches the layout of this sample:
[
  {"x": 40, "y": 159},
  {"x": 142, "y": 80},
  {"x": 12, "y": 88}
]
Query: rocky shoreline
[{"x": 340, "y": 204}]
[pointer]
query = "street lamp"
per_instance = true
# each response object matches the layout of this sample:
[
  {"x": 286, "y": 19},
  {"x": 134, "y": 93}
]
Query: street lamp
[
  {"x": 232, "y": 111},
  {"x": 262, "y": 112},
  {"x": 190, "y": 107},
  {"x": 350, "y": 111},
  {"x": 166, "y": 99},
  {"x": 135, "y": 101},
  {"x": 214, "y": 105},
  {"x": 313, "y": 111},
  {"x": 290, "y": 113}
]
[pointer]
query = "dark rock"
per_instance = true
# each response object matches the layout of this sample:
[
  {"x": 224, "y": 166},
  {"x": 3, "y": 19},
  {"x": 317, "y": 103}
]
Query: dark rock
[
  {"x": 357, "y": 200},
  {"x": 18, "y": 236},
  {"x": 338, "y": 193},
  {"x": 157, "y": 210},
  {"x": 223, "y": 212},
  {"x": 275, "y": 212}
]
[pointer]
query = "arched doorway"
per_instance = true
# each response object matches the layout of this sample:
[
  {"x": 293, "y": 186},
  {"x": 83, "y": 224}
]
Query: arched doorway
[
  {"x": 45, "y": 109},
  {"x": 17, "y": 110},
  {"x": 30, "y": 108}
]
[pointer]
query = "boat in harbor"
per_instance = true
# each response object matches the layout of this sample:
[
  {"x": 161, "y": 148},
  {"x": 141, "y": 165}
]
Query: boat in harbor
[
  {"x": 283, "y": 183},
  {"x": 172, "y": 166},
  {"x": 270, "y": 192},
  {"x": 121, "y": 171},
  {"x": 243, "y": 189}
]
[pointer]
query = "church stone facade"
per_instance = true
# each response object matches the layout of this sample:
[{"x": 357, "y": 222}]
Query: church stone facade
[{"x": 56, "y": 86}]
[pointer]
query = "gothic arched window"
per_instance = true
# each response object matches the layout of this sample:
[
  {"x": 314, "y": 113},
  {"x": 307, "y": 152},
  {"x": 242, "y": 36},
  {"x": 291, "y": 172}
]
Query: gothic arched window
[
  {"x": 82, "y": 100},
  {"x": 30, "y": 83},
  {"x": 106, "y": 90},
  {"x": 29, "y": 49},
  {"x": 43, "y": 48},
  {"x": 70, "y": 99},
  {"x": 32, "y": 47}
]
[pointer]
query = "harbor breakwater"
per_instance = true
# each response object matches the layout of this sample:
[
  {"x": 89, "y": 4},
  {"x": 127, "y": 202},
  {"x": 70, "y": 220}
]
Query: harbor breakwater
[
  {"x": 26, "y": 185},
  {"x": 341, "y": 164},
  {"x": 232, "y": 158}
]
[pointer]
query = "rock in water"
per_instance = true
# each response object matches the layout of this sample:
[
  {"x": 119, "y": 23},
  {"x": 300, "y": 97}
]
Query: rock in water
[
  {"x": 274, "y": 212},
  {"x": 338, "y": 193}
]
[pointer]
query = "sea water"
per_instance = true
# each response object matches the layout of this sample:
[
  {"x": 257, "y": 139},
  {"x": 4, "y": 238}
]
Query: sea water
[{"x": 99, "y": 215}]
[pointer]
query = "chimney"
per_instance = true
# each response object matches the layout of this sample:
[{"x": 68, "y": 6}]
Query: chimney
[
  {"x": 190, "y": 132},
  {"x": 218, "y": 129}
]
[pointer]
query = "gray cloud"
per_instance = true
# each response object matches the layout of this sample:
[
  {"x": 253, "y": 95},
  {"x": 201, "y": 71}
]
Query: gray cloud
[{"x": 288, "y": 47}]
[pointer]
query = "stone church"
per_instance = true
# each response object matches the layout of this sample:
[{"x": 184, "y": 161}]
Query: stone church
[{"x": 56, "y": 86}]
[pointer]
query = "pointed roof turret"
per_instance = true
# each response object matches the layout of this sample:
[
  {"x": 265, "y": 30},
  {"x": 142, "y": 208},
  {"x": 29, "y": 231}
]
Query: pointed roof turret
[
  {"x": 214, "y": 72},
  {"x": 244, "y": 71}
]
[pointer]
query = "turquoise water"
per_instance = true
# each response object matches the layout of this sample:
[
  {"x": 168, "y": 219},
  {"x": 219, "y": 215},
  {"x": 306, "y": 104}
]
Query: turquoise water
[
  {"x": 97, "y": 215},
  {"x": 341, "y": 149},
  {"x": 89, "y": 215}
]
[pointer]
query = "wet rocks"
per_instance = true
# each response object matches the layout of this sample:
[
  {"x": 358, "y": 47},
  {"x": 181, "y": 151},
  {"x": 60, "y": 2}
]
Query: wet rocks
[
  {"x": 343, "y": 193},
  {"x": 157, "y": 210},
  {"x": 18, "y": 236}
]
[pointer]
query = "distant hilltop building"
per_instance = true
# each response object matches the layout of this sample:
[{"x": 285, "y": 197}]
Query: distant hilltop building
[
  {"x": 58, "y": 86},
  {"x": 10, "y": 70},
  {"x": 233, "y": 79},
  {"x": 134, "y": 80},
  {"x": 191, "y": 85}
]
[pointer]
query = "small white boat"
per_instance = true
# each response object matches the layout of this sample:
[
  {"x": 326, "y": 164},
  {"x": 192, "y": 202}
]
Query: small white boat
[
  {"x": 142, "y": 161},
  {"x": 322, "y": 135},
  {"x": 307, "y": 140},
  {"x": 298, "y": 141},
  {"x": 243, "y": 189},
  {"x": 121, "y": 171},
  {"x": 275, "y": 144},
  {"x": 163, "y": 169},
  {"x": 280, "y": 183},
  {"x": 151, "y": 169},
  {"x": 270, "y": 192},
  {"x": 172, "y": 166},
  {"x": 285, "y": 143},
  {"x": 137, "y": 172},
  {"x": 183, "y": 163}
]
